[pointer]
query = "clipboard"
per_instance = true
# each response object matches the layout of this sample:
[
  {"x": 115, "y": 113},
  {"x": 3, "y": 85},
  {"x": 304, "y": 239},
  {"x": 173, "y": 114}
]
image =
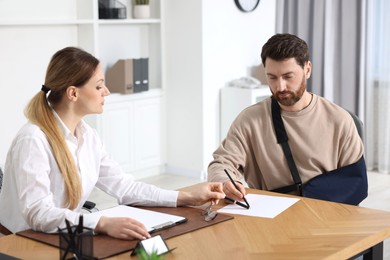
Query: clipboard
[
  {"x": 105, "y": 246},
  {"x": 154, "y": 221}
]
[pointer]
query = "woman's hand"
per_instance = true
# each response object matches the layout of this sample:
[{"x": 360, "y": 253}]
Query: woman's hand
[
  {"x": 200, "y": 194},
  {"x": 230, "y": 190},
  {"x": 122, "y": 228}
]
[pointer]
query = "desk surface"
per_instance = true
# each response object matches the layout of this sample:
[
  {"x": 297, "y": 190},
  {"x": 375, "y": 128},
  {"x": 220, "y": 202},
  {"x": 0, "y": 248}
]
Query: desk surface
[{"x": 309, "y": 229}]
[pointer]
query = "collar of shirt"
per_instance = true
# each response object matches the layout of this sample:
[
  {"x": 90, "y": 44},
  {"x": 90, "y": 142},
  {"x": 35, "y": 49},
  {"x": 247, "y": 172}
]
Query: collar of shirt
[{"x": 80, "y": 130}]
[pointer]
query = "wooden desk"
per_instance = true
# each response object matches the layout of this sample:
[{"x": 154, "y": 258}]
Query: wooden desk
[{"x": 310, "y": 229}]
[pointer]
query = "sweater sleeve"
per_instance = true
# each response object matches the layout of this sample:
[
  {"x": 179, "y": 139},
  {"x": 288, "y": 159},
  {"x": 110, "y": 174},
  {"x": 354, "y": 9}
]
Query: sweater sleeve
[{"x": 230, "y": 155}]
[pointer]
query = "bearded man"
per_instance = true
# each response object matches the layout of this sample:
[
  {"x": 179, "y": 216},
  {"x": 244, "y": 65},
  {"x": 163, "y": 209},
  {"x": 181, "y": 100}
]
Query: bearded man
[{"x": 322, "y": 135}]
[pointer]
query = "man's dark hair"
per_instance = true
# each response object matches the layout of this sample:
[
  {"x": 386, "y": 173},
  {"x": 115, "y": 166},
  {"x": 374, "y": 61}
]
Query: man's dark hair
[{"x": 284, "y": 46}]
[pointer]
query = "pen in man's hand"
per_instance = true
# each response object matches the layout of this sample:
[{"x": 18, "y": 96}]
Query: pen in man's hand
[
  {"x": 237, "y": 202},
  {"x": 235, "y": 185}
]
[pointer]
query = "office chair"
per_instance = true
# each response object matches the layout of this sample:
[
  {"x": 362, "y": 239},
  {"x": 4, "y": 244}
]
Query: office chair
[
  {"x": 3, "y": 230},
  {"x": 358, "y": 123},
  {"x": 1, "y": 178}
]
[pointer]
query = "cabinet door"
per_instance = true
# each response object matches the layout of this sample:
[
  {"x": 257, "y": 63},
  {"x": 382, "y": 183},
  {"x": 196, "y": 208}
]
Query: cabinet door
[
  {"x": 147, "y": 133},
  {"x": 117, "y": 133}
]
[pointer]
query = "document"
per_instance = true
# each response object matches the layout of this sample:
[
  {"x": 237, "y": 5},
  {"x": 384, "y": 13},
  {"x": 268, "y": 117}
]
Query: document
[
  {"x": 153, "y": 221},
  {"x": 265, "y": 206}
]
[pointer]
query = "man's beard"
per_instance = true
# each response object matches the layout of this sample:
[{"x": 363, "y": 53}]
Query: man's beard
[{"x": 293, "y": 97}]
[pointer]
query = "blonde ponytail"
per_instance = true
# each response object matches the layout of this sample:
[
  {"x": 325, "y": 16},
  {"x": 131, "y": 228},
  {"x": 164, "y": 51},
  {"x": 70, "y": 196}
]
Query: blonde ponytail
[
  {"x": 70, "y": 66},
  {"x": 39, "y": 112}
]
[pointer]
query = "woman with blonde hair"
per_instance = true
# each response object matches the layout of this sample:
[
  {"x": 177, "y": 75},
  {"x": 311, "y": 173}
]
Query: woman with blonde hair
[{"x": 56, "y": 159}]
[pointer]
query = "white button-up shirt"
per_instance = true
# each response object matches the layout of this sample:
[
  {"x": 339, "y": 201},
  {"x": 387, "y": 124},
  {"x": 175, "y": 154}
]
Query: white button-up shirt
[{"x": 33, "y": 191}]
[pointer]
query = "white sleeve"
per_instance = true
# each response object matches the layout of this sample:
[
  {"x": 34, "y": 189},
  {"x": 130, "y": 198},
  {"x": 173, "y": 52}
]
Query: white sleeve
[{"x": 122, "y": 186}]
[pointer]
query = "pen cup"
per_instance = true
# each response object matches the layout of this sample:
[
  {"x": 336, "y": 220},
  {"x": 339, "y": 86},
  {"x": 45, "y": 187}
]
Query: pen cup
[{"x": 76, "y": 245}]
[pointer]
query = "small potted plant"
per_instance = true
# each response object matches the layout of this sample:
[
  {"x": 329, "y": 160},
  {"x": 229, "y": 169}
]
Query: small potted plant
[
  {"x": 141, "y": 9},
  {"x": 142, "y": 255}
]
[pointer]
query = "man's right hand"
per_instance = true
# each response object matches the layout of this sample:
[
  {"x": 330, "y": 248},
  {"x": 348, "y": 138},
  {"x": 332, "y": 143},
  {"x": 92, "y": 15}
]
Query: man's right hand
[{"x": 232, "y": 192}]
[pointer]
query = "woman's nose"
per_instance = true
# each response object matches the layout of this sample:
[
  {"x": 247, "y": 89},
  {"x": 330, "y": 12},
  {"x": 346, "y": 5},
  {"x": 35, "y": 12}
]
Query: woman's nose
[{"x": 107, "y": 91}]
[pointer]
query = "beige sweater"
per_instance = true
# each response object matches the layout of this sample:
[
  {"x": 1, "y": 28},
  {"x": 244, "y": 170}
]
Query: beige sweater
[{"x": 322, "y": 137}]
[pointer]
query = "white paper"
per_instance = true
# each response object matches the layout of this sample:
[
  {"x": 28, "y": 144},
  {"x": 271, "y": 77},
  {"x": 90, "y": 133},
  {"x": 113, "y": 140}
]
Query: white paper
[
  {"x": 265, "y": 206},
  {"x": 149, "y": 218}
]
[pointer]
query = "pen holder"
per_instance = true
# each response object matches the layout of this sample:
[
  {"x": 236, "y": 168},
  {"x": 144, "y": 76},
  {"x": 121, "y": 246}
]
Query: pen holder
[{"x": 76, "y": 245}]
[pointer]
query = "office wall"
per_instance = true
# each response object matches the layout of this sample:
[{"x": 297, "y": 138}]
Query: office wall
[
  {"x": 208, "y": 43},
  {"x": 24, "y": 55}
]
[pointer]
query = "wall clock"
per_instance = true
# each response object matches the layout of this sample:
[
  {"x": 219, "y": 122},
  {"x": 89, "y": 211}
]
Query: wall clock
[{"x": 247, "y": 5}]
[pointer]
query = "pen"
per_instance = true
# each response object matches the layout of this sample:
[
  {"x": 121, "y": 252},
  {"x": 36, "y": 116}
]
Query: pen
[
  {"x": 68, "y": 227},
  {"x": 231, "y": 179},
  {"x": 80, "y": 225},
  {"x": 237, "y": 202},
  {"x": 80, "y": 231}
]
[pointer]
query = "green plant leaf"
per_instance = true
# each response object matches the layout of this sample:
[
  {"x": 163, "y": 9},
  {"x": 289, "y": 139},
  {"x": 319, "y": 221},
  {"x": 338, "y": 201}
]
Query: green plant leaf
[{"x": 142, "y": 255}]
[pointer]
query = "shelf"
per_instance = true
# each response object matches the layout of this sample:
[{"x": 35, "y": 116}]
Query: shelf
[
  {"x": 115, "y": 97},
  {"x": 128, "y": 21},
  {"x": 45, "y": 22},
  {"x": 79, "y": 22}
]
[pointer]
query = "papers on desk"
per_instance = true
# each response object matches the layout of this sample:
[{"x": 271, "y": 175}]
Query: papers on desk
[
  {"x": 152, "y": 220},
  {"x": 261, "y": 206}
]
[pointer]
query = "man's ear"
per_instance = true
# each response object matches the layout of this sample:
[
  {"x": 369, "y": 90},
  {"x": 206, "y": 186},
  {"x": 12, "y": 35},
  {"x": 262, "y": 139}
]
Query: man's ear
[
  {"x": 72, "y": 93},
  {"x": 307, "y": 69}
]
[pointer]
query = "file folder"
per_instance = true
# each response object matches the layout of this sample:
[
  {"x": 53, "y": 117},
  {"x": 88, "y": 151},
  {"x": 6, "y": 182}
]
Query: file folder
[
  {"x": 144, "y": 74},
  {"x": 128, "y": 76}
]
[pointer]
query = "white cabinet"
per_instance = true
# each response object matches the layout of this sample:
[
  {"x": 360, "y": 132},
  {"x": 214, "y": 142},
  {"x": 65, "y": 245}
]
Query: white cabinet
[
  {"x": 234, "y": 100},
  {"x": 131, "y": 130},
  {"x": 147, "y": 133},
  {"x": 78, "y": 22}
]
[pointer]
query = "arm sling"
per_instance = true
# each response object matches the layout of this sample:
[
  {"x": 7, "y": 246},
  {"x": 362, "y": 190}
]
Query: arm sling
[{"x": 347, "y": 184}]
